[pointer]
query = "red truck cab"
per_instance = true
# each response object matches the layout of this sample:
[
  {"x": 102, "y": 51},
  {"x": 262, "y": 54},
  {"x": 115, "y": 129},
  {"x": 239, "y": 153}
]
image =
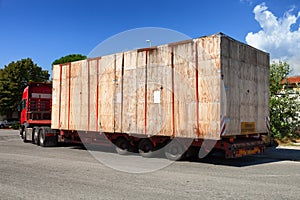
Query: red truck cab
[{"x": 36, "y": 105}]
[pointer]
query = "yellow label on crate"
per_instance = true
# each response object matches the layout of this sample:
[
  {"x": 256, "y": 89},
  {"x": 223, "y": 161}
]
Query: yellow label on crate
[{"x": 247, "y": 127}]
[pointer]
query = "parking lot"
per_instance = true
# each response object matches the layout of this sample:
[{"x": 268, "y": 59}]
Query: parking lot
[{"x": 71, "y": 172}]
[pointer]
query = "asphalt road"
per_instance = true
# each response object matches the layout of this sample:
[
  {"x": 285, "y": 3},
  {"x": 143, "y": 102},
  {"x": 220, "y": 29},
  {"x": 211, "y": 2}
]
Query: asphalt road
[{"x": 67, "y": 172}]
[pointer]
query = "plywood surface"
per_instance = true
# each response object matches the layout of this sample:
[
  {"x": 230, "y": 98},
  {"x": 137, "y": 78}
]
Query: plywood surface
[{"x": 181, "y": 89}]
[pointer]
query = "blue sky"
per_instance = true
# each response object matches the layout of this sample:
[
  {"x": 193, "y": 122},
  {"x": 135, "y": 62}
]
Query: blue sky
[{"x": 45, "y": 30}]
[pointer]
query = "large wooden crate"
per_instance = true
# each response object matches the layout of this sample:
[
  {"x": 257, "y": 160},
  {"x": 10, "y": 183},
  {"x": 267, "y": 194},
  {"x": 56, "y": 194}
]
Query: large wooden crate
[{"x": 209, "y": 87}]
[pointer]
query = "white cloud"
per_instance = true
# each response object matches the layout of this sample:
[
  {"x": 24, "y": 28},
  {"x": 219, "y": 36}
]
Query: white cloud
[{"x": 276, "y": 36}]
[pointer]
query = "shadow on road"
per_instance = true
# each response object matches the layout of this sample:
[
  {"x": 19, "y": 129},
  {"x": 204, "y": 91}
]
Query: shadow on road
[{"x": 271, "y": 155}]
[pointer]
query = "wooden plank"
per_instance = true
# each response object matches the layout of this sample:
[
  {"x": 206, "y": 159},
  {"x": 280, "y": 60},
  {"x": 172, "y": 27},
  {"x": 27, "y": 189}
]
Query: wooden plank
[
  {"x": 55, "y": 97},
  {"x": 129, "y": 93},
  {"x": 75, "y": 105},
  {"x": 117, "y": 96},
  {"x": 92, "y": 94},
  {"x": 106, "y": 93},
  {"x": 64, "y": 98},
  {"x": 140, "y": 93},
  {"x": 83, "y": 122}
]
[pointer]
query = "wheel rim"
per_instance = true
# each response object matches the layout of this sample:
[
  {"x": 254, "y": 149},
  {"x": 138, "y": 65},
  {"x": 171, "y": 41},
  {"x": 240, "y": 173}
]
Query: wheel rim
[{"x": 174, "y": 151}]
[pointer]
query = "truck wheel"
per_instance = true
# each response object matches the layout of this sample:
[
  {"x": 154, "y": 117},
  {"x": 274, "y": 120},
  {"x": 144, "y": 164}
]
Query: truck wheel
[
  {"x": 42, "y": 138},
  {"x": 174, "y": 151},
  {"x": 22, "y": 132},
  {"x": 122, "y": 146},
  {"x": 32, "y": 136},
  {"x": 36, "y": 136},
  {"x": 146, "y": 148},
  {"x": 25, "y": 137}
]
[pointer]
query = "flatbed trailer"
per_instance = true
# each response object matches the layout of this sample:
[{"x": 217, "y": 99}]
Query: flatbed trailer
[{"x": 211, "y": 91}]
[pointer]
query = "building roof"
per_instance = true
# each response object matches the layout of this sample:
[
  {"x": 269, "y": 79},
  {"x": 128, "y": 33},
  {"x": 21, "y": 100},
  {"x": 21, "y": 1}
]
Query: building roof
[{"x": 291, "y": 80}]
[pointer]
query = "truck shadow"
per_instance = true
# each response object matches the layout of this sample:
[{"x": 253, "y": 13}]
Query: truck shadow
[{"x": 271, "y": 155}]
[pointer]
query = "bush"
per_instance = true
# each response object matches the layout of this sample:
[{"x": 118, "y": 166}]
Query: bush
[
  {"x": 284, "y": 104},
  {"x": 15, "y": 126}
]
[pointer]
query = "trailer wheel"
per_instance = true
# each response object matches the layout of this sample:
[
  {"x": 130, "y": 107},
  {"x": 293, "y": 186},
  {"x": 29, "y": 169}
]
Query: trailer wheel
[
  {"x": 146, "y": 148},
  {"x": 122, "y": 146},
  {"x": 174, "y": 151}
]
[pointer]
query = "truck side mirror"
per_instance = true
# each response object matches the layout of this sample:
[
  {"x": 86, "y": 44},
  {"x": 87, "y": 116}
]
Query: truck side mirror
[{"x": 19, "y": 108}]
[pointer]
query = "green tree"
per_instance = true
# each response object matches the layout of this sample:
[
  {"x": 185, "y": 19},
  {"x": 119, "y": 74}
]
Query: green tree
[
  {"x": 284, "y": 106},
  {"x": 69, "y": 58},
  {"x": 14, "y": 78}
]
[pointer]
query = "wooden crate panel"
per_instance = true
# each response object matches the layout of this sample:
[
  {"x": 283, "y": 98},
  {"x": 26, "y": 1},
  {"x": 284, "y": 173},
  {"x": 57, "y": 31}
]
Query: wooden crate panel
[
  {"x": 130, "y": 89},
  {"x": 55, "y": 97},
  {"x": 185, "y": 90},
  {"x": 159, "y": 105},
  {"x": 64, "y": 106},
  {"x": 106, "y": 80},
  {"x": 93, "y": 95},
  {"x": 209, "y": 74},
  {"x": 246, "y": 82},
  {"x": 76, "y": 112}
]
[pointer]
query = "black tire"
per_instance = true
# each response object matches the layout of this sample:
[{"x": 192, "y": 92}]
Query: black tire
[
  {"x": 32, "y": 136},
  {"x": 174, "y": 151},
  {"x": 25, "y": 137},
  {"x": 146, "y": 148},
  {"x": 42, "y": 138},
  {"x": 22, "y": 132},
  {"x": 55, "y": 142},
  {"x": 36, "y": 136},
  {"x": 122, "y": 146}
]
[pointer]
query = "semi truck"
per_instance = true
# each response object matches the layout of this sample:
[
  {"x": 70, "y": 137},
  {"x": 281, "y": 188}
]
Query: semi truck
[{"x": 178, "y": 97}]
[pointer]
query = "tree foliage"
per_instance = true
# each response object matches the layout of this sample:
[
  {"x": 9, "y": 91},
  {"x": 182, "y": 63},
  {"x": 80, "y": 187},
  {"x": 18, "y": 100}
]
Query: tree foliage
[
  {"x": 14, "y": 78},
  {"x": 284, "y": 103},
  {"x": 69, "y": 58}
]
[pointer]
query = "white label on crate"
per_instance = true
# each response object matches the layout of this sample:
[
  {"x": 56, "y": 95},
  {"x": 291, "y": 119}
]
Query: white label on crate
[
  {"x": 157, "y": 96},
  {"x": 119, "y": 98}
]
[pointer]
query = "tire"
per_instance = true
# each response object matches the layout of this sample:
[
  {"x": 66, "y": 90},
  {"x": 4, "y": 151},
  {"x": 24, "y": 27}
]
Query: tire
[
  {"x": 22, "y": 132},
  {"x": 122, "y": 146},
  {"x": 55, "y": 142},
  {"x": 146, "y": 148},
  {"x": 32, "y": 136},
  {"x": 42, "y": 138},
  {"x": 25, "y": 137},
  {"x": 174, "y": 151},
  {"x": 36, "y": 137}
]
